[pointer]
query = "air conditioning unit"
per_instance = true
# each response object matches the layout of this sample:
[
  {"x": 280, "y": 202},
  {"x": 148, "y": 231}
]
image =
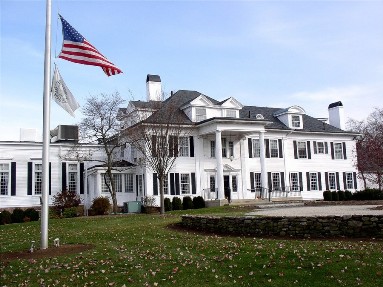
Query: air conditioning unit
[{"x": 64, "y": 133}]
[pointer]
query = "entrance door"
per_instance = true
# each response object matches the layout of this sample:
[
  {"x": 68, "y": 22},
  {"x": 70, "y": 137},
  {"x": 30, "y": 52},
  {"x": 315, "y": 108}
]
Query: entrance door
[{"x": 226, "y": 187}]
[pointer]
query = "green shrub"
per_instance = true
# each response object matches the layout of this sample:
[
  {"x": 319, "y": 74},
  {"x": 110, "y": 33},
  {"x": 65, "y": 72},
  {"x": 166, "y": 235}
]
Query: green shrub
[
  {"x": 32, "y": 214},
  {"x": 327, "y": 195},
  {"x": 5, "y": 217},
  {"x": 334, "y": 196},
  {"x": 187, "y": 203},
  {"x": 100, "y": 205},
  {"x": 17, "y": 215},
  {"x": 348, "y": 195},
  {"x": 167, "y": 204},
  {"x": 198, "y": 202},
  {"x": 176, "y": 203},
  {"x": 70, "y": 212},
  {"x": 368, "y": 194},
  {"x": 341, "y": 195},
  {"x": 65, "y": 199}
]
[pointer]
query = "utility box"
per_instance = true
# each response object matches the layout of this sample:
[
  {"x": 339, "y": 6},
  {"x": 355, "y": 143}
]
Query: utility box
[{"x": 132, "y": 207}]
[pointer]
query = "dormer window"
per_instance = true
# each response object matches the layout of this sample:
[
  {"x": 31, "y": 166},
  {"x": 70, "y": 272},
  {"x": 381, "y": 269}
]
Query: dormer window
[
  {"x": 231, "y": 113},
  {"x": 295, "y": 121},
  {"x": 200, "y": 114}
]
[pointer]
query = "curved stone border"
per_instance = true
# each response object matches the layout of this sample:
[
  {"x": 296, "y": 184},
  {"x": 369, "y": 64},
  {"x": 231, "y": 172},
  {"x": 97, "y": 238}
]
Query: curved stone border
[{"x": 355, "y": 226}]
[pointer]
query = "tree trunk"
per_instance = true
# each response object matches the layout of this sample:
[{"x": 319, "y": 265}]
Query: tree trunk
[{"x": 162, "y": 199}]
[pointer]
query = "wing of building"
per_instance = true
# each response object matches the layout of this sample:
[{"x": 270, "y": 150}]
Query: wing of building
[{"x": 227, "y": 150}]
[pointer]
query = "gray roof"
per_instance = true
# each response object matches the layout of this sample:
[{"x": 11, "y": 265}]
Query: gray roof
[
  {"x": 173, "y": 104},
  {"x": 147, "y": 105}
]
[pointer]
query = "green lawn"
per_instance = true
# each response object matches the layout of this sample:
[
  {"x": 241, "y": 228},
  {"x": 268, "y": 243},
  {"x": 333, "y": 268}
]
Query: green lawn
[{"x": 139, "y": 250}]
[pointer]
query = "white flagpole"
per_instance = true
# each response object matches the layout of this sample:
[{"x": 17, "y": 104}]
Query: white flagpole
[{"x": 46, "y": 128}]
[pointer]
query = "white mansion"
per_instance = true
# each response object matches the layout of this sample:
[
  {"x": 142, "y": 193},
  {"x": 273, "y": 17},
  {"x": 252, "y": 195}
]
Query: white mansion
[{"x": 243, "y": 152}]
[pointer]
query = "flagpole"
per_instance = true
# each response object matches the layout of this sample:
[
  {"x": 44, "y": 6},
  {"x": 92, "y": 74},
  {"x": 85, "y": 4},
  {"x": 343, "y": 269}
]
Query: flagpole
[{"x": 46, "y": 129}]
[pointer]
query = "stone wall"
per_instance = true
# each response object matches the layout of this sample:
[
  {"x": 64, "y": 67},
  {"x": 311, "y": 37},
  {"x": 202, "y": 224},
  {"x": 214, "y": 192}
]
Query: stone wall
[{"x": 356, "y": 226}]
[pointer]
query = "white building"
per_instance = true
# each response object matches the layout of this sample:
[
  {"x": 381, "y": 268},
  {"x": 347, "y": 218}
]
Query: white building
[{"x": 229, "y": 149}]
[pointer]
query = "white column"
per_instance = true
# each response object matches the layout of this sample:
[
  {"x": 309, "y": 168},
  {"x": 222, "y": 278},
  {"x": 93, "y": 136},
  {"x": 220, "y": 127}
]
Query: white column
[
  {"x": 218, "y": 157},
  {"x": 262, "y": 156}
]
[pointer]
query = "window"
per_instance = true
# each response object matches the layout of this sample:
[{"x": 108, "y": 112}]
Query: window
[
  {"x": 212, "y": 183},
  {"x": 321, "y": 147},
  {"x": 302, "y": 150},
  {"x": 133, "y": 154},
  {"x": 338, "y": 151},
  {"x": 296, "y": 121},
  {"x": 257, "y": 182},
  {"x": 185, "y": 183},
  {"x": 38, "y": 178},
  {"x": 313, "y": 181},
  {"x": 200, "y": 114},
  {"x": 256, "y": 148},
  {"x": 4, "y": 178},
  {"x": 166, "y": 185},
  {"x": 72, "y": 178},
  {"x": 140, "y": 185},
  {"x": 212, "y": 148},
  {"x": 117, "y": 180},
  {"x": 129, "y": 182},
  {"x": 349, "y": 180},
  {"x": 294, "y": 181},
  {"x": 274, "y": 148},
  {"x": 234, "y": 186},
  {"x": 231, "y": 113},
  {"x": 331, "y": 181},
  {"x": 224, "y": 149},
  {"x": 276, "y": 181},
  {"x": 183, "y": 146},
  {"x": 231, "y": 149}
]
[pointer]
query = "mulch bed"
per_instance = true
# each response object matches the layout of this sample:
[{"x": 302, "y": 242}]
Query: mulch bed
[{"x": 66, "y": 249}]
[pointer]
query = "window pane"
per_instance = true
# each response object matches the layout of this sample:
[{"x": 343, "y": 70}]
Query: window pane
[
  {"x": 224, "y": 152},
  {"x": 231, "y": 149},
  {"x": 231, "y": 113},
  {"x": 294, "y": 182},
  {"x": 200, "y": 114},
  {"x": 320, "y": 147},
  {"x": 129, "y": 182},
  {"x": 313, "y": 181},
  {"x": 274, "y": 148},
  {"x": 4, "y": 177},
  {"x": 302, "y": 150},
  {"x": 212, "y": 148},
  {"x": 212, "y": 183},
  {"x": 331, "y": 181},
  {"x": 183, "y": 146},
  {"x": 257, "y": 182},
  {"x": 185, "y": 186},
  {"x": 296, "y": 121},
  {"x": 256, "y": 148},
  {"x": 38, "y": 178},
  {"x": 338, "y": 151},
  {"x": 349, "y": 180},
  {"x": 276, "y": 181}
]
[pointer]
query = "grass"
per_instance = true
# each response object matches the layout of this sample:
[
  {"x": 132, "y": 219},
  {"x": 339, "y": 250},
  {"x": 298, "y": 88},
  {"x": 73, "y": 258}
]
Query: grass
[{"x": 139, "y": 250}]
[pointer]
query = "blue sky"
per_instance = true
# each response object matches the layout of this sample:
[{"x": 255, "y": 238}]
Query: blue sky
[{"x": 263, "y": 53}]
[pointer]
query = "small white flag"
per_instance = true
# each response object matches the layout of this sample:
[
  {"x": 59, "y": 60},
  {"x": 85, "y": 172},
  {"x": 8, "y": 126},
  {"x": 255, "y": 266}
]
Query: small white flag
[{"x": 62, "y": 95}]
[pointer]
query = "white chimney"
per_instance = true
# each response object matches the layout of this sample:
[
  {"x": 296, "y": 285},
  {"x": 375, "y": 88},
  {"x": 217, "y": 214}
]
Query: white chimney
[
  {"x": 153, "y": 88},
  {"x": 28, "y": 135},
  {"x": 336, "y": 115}
]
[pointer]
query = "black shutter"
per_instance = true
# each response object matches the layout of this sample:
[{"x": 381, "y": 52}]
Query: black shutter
[
  {"x": 300, "y": 181},
  {"x": 283, "y": 181},
  {"x": 344, "y": 150},
  {"x": 177, "y": 184},
  {"x": 154, "y": 146},
  {"x": 308, "y": 180},
  {"x": 332, "y": 150},
  {"x": 13, "y": 178},
  {"x": 325, "y": 148},
  {"x": 29, "y": 187},
  {"x": 252, "y": 182},
  {"x": 172, "y": 187},
  {"x": 250, "y": 144},
  {"x": 269, "y": 181},
  {"x": 344, "y": 181},
  {"x": 82, "y": 167},
  {"x": 136, "y": 185},
  {"x": 308, "y": 150},
  {"x": 320, "y": 180},
  {"x": 63, "y": 176},
  {"x": 315, "y": 147},
  {"x": 50, "y": 178},
  {"x": 355, "y": 181},
  {"x": 326, "y": 180},
  {"x": 171, "y": 146},
  {"x": 191, "y": 139},
  {"x": 194, "y": 191},
  {"x": 295, "y": 149},
  {"x": 155, "y": 184},
  {"x": 267, "y": 145},
  {"x": 280, "y": 148},
  {"x": 337, "y": 181}
]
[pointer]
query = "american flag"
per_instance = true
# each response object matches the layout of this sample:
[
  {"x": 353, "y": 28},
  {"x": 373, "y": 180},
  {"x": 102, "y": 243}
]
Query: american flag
[{"x": 78, "y": 50}]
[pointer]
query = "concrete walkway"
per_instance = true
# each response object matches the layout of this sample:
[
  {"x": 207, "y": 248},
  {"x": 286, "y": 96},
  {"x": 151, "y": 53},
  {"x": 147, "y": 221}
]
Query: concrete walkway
[{"x": 300, "y": 210}]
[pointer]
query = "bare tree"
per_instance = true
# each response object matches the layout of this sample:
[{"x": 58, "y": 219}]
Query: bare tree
[
  {"x": 369, "y": 148},
  {"x": 101, "y": 125},
  {"x": 156, "y": 138}
]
